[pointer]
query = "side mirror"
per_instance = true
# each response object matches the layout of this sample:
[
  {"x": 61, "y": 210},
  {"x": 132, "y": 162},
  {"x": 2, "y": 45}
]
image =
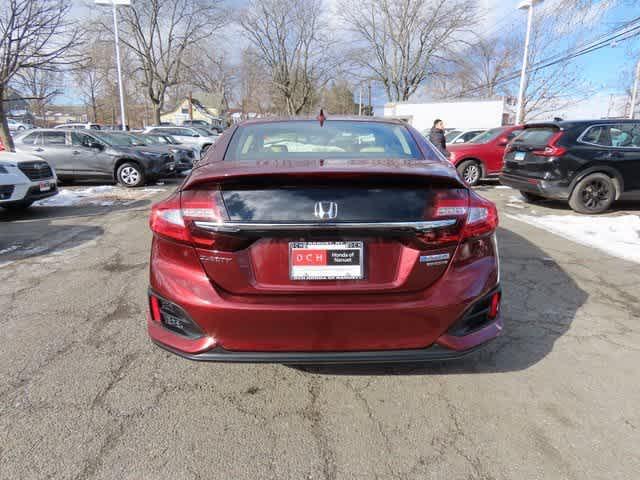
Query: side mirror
[
  {"x": 195, "y": 135},
  {"x": 96, "y": 145},
  {"x": 502, "y": 142}
]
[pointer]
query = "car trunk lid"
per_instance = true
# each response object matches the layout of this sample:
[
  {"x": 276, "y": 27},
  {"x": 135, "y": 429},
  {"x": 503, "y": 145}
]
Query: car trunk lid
[{"x": 384, "y": 224}]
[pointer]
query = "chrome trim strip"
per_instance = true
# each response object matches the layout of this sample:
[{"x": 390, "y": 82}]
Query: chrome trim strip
[{"x": 235, "y": 227}]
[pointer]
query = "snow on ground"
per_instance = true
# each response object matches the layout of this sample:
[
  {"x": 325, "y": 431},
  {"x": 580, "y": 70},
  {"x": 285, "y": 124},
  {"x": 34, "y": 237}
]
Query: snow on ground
[
  {"x": 503, "y": 187},
  {"x": 104, "y": 195},
  {"x": 616, "y": 235}
]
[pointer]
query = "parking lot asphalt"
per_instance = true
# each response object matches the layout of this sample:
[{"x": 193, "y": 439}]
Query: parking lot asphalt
[{"x": 84, "y": 394}]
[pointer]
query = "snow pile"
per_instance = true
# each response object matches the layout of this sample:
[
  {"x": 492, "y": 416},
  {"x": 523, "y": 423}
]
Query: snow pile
[
  {"x": 67, "y": 197},
  {"x": 104, "y": 195},
  {"x": 616, "y": 235}
]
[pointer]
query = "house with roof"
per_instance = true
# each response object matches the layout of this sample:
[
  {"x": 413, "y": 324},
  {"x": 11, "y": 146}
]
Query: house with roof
[{"x": 192, "y": 109}]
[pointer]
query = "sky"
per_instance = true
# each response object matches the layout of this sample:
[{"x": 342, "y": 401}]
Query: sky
[{"x": 603, "y": 69}]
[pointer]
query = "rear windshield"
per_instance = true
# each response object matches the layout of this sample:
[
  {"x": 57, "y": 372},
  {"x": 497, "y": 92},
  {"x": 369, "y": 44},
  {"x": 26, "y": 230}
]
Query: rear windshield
[
  {"x": 449, "y": 136},
  {"x": 487, "y": 136},
  {"x": 335, "y": 139},
  {"x": 535, "y": 136}
]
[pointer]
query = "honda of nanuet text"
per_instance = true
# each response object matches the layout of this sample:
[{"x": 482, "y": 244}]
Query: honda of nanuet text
[{"x": 331, "y": 241}]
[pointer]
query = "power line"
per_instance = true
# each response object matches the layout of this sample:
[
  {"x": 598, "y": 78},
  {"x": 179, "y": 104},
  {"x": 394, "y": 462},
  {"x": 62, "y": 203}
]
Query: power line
[{"x": 628, "y": 32}]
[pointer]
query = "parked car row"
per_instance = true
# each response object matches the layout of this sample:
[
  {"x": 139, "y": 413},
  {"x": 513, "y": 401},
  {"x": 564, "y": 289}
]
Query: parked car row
[{"x": 130, "y": 159}]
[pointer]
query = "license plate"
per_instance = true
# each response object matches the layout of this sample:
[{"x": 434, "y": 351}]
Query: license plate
[
  {"x": 519, "y": 156},
  {"x": 326, "y": 260},
  {"x": 45, "y": 186}
]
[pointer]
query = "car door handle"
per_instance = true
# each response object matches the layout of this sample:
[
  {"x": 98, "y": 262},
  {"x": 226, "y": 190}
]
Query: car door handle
[
  {"x": 614, "y": 155},
  {"x": 38, "y": 149},
  {"x": 76, "y": 152}
]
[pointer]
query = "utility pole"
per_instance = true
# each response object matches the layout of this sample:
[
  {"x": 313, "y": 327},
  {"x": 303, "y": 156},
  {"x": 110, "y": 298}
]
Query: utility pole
[
  {"x": 360, "y": 101},
  {"x": 370, "y": 111},
  {"x": 114, "y": 4},
  {"x": 634, "y": 93},
  {"x": 525, "y": 4}
]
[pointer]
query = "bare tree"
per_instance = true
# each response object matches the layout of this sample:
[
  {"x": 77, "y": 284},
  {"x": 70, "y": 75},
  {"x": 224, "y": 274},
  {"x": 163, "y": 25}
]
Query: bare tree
[
  {"x": 160, "y": 32},
  {"x": 93, "y": 76},
  {"x": 40, "y": 87},
  {"x": 255, "y": 93},
  {"x": 290, "y": 39},
  {"x": 34, "y": 34},
  {"x": 214, "y": 76},
  {"x": 397, "y": 41}
]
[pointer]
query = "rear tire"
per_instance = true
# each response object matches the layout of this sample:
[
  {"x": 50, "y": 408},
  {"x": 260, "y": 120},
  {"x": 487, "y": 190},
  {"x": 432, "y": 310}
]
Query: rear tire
[
  {"x": 130, "y": 175},
  {"x": 531, "y": 197},
  {"x": 593, "y": 194},
  {"x": 470, "y": 171}
]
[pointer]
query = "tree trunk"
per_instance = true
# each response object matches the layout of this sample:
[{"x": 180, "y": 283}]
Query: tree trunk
[
  {"x": 156, "y": 112},
  {"x": 5, "y": 135}
]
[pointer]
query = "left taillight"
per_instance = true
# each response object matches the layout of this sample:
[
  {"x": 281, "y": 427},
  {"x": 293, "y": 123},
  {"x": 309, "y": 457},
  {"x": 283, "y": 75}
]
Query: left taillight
[
  {"x": 551, "y": 149},
  {"x": 180, "y": 218}
]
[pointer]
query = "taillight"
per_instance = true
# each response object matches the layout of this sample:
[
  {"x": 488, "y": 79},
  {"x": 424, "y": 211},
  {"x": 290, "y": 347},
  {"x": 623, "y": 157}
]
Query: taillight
[
  {"x": 482, "y": 218},
  {"x": 474, "y": 215},
  {"x": 551, "y": 150},
  {"x": 178, "y": 216}
]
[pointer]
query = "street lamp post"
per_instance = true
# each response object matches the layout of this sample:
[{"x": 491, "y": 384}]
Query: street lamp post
[
  {"x": 525, "y": 4},
  {"x": 114, "y": 4},
  {"x": 634, "y": 93}
]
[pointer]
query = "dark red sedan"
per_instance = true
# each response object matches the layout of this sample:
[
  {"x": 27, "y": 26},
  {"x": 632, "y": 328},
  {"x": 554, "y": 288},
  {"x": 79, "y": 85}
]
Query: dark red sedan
[
  {"x": 482, "y": 156},
  {"x": 343, "y": 241}
]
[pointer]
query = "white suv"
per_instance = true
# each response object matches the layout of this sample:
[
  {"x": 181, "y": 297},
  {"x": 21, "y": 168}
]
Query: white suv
[{"x": 25, "y": 179}]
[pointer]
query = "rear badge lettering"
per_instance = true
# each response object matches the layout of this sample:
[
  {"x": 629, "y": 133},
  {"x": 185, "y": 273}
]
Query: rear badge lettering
[
  {"x": 433, "y": 260},
  {"x": 215, "y": 259}
]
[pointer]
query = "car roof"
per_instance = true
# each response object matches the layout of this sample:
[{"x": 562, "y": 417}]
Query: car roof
[
  {"x": 567, "y": 124},
  {"x": 328, "y": 118}
]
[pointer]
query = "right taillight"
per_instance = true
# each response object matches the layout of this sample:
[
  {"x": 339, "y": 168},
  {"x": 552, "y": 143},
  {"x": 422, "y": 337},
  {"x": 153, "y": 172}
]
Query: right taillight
[
  {"x": 474, "y": 215},
  {"x": 183, "y": 217},
  {"x": 482, "y": 218}
]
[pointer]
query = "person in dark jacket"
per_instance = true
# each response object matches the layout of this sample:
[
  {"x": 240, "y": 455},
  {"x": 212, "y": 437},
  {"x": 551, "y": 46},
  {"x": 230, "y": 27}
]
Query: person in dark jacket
[{"x": 436, "y": 136}]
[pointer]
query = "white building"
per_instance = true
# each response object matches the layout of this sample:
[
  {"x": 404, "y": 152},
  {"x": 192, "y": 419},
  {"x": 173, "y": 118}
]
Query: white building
[{"x": 462, "y": 114}]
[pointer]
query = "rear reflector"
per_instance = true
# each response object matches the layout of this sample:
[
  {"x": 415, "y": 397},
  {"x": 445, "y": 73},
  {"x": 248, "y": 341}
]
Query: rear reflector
[
  {"x": 173, "y": 317},
  {"x": 494, "y": 307}
]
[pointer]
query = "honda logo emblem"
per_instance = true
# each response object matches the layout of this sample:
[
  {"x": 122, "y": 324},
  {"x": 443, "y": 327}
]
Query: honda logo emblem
[{"x": 325, "y": 210}]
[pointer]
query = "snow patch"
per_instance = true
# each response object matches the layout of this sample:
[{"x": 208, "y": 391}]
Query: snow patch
[
  {"x": 104, "y": 195},
  {"x": 503, "y": 187},
  {"x": 9, "y": 249},
  {"x": 618, "y": 236}
]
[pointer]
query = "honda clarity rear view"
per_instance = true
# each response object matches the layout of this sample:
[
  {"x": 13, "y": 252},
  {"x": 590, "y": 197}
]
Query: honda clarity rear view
[{"x": 331, "y": 241}]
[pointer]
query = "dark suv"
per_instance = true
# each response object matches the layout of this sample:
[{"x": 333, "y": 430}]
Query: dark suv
[
  {"x": 95, "y": 155},
  {"x": 589, "y": 163}
]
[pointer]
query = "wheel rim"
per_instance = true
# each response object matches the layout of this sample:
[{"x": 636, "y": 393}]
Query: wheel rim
[
  {"x": 595, "y": 194},
  {"x": 130, "y": 176},
  {"x": 471, "y": 173}
]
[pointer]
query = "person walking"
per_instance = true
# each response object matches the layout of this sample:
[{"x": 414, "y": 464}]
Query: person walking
[{"x": 436, "y": 136}]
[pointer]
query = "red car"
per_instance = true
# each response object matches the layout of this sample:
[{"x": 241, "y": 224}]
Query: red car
[
  {"x": 482, "y": 156},
  {"x": 337, "y": 241}
]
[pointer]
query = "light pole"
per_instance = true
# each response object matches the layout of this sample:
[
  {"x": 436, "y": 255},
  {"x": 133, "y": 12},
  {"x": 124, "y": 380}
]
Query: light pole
[
  {"x": 634, "y": 93},
  {"x": 525, "y": 4},
  {"x": 115, "y": 3}
]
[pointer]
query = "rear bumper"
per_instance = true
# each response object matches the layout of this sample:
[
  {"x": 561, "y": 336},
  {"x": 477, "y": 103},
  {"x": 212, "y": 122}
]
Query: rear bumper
[
  {"x": 324, "y": 328},
  {"x": 434, "y": 353},
  {"x": 543, "y": 188}
]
